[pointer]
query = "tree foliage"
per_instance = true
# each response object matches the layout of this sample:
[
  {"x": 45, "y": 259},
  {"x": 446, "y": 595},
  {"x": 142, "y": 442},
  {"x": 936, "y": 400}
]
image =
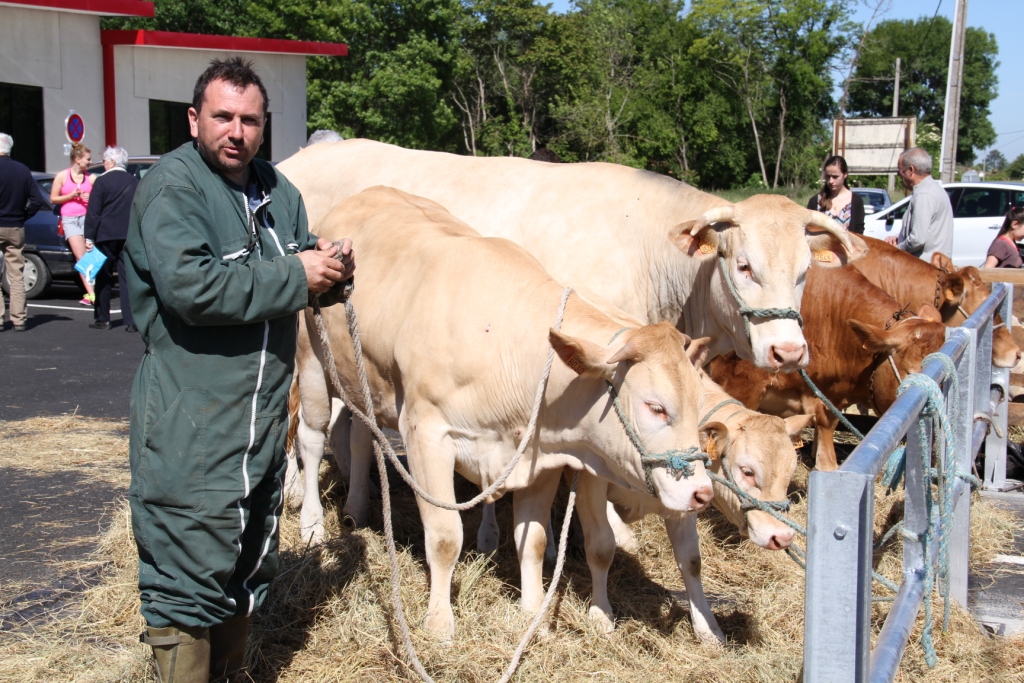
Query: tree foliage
[
  {"x": 923, "y": 46},
  {"x": 717, "y": 92}
]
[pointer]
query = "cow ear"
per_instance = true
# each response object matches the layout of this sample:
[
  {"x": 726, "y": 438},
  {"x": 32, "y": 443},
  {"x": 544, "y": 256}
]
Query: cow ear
[
  {"x": 952, "y": 285},
  {"x": 704, "y": 242},
  {"x": 700, "y": 237},
  {"x": 872, "y": 338},
  {"x": 795, "y": 424},
  {"x": 697, "y": 351},
  {"x": 942, "y": 262},
  {"x": 583, "y": 357},
  {"x": 714, "y": 439},
  {"x": 928, "y": 312},
  {"x": 828, "y": 251}
]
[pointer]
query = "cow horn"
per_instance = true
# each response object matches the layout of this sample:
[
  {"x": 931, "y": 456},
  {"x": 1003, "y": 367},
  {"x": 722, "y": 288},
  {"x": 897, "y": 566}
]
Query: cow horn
[
  {"x": 719, "y": 214},
  {"x": 820, "y": 220}
]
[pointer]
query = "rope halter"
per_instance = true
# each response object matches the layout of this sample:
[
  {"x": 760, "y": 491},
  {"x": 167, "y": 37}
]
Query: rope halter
[
  {"x": 747, "y": 501},
  {"x": 748, "y": 311},
  {"x": 679, "y": 463}
]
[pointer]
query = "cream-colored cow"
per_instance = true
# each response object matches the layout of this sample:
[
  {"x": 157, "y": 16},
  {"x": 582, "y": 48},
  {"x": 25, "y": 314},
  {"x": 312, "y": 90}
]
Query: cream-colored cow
[
  {"x": 624, "y": 238},
  {"x": 455, "y": 330}
]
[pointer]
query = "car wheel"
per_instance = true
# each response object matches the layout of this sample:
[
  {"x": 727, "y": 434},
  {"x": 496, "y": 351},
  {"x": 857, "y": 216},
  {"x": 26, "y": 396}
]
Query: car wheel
[{"x": 37, "y": 277}]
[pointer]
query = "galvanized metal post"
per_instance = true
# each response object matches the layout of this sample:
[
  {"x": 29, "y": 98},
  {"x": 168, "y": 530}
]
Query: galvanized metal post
[
  {"x": 837, "y": 601},
  {"x": 915, "y": 515},
  {"x": 995, "y": 444},
  {"x": 962, "y": 423}
]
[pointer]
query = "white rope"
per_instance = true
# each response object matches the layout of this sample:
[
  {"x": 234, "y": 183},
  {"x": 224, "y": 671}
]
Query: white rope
[{"x": 381, "y": 446}]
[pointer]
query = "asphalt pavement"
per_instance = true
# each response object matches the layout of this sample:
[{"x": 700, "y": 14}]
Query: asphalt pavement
[{"x": 59, "y": 365}]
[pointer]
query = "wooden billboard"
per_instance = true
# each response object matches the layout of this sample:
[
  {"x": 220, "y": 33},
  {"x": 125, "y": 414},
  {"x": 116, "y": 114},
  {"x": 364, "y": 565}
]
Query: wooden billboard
[{"x": 872, "y": 146}]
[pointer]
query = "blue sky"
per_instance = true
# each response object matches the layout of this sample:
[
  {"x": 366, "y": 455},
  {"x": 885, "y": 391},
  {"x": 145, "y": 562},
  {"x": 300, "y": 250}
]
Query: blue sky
[{"x": 1005, "y": 19}]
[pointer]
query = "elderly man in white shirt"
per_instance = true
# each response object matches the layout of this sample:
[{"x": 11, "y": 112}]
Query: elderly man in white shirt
[{"x": 928, "y": 222}]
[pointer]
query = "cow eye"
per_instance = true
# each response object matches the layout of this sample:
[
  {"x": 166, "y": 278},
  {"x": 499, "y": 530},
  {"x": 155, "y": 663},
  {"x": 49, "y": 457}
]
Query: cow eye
[
  {"x": 747, "y": 472},
  {"x": 744, "y": 268},
  {"x": 658, "y": 410}
]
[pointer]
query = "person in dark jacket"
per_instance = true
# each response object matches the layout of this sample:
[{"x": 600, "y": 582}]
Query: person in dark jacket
[
  {"x": 106, "y": 228},
  {"x": 835, "y": 199},
  {"x": 219, "y": 262},
  {"x": 20, "y": 199}
]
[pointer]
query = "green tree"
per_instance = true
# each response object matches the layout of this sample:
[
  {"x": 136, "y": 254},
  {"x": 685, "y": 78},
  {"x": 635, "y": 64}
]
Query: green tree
[
  {"x": 1015, "y": 169},
  {"x": 995, "y": 161},
  {"x": 776, "y": 59},
  {"x": 923, "y": 47}
]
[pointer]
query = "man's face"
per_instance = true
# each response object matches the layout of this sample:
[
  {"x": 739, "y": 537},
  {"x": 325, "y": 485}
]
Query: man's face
[
  {"x": 229, "y": 126},
  {"x": 906, "y": 175}
]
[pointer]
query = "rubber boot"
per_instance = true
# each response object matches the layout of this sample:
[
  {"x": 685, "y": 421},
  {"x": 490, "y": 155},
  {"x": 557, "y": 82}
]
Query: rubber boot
[
  {"x": 227, "y": 650},
  {"x": 182, "y": 654}
]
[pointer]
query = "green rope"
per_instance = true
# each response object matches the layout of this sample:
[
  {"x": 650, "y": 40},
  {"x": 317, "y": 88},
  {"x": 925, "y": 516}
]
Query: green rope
[
  {"x": 722, "y": 404},
  {"x": 747, "y": 311},
  {"x": 824, "y": 399},
  {"x": 677, "y": 462}
]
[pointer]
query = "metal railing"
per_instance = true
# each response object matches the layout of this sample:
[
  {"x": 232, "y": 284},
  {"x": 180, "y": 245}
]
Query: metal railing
[{"x": 841, "y": 507}]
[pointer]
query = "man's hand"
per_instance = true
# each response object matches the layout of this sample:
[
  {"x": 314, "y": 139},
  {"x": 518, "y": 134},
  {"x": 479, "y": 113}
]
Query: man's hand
[
  {"x": 346, "y": 256},
  {"x": 88, "y": 245},
  {"x": 893, "y": 241},
  {"x": 322, "y": 269}
]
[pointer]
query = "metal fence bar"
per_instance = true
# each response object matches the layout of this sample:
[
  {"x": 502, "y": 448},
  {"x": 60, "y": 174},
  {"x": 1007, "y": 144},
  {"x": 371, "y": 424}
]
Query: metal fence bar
[
  {"x": 962, "y": 422},
  {"x": 892, "y": 641},
  {"x": 837, "y": 605},
  {"x": 995, "y": 445}
]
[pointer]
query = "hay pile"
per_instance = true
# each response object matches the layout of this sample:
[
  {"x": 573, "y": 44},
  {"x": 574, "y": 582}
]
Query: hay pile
[{"x": 330, "y": 618}]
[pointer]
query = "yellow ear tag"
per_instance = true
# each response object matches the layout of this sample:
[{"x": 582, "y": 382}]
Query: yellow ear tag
[
  {"x": 707, "y": 248},
  {"x": 712, "y": 447},
  {"x": 575, "y": 365},
  {"x": 823, "y": 256}
]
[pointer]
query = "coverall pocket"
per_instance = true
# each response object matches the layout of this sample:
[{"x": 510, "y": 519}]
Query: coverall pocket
[{"x": 175, "y": 454}]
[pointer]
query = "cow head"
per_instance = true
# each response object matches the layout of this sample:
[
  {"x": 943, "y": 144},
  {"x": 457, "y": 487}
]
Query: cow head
[
  {"x": 654, "y": 375},
  {"x": 906, "y": 343},
  {"x": 758, "y": 451},
  {"x": 962, "y": 291},
  {"x": 766, "y": 244}
]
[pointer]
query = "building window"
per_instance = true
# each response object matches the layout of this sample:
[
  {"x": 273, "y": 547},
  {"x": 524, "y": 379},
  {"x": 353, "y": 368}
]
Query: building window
[
  {"x": 169, "y": 129},
  {"x": 168, "y": 126},
  {"x": 21, "y": 117}
]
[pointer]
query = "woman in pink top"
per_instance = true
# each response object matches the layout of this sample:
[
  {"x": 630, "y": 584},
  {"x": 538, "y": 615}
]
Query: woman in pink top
[{"x": 70, "y": 190}]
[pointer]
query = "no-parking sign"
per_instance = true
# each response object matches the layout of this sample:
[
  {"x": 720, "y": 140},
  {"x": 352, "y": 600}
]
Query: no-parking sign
[{"x": 74, "y": 127}]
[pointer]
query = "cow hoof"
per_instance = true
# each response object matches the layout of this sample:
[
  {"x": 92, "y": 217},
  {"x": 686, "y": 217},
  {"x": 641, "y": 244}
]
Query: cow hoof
[
  {"x": 625, "y": 540},
  {"x": 353, "y": 519},
  {"x": 313, "y": 534},
  {"x": 603, "y": 622},
  {"x": 711, "y": 638},
  {"x": 487, "y": 541},
  {"x": 441, "y": 625}
]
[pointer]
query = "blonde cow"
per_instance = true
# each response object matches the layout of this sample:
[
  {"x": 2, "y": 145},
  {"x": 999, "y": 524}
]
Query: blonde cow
[
  {"x": 623, "y": 238},
  {"x": 456, "y": 329}
]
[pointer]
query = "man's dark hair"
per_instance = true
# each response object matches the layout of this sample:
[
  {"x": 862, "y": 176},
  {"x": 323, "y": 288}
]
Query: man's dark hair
[{"x": 236, "y": 71}]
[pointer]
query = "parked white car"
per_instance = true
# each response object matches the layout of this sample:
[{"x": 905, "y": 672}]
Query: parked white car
[{"x": 978, "y": 211}]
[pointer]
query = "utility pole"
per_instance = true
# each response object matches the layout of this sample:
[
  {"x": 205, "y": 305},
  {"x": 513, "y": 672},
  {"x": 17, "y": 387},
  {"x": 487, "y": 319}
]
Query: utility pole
[
  {"x": 895, "y": 112},
  {"x": 951, "y": 122}
]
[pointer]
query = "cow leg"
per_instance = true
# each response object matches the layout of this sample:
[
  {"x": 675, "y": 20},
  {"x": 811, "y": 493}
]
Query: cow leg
[
  {"x": 599, "y": 542},
  {"x": 314, "y": 420},
  {"x": 293, "y": 477},
  {"x": 624, "y": 537},
  {"x": 340, "y": 434},
  {"x": 825, "y": 424},
  {"x": 311, "y": 519},
  {"x": 488, "y": 536},
  {"x": 361, "y": 455},
  {"x": 432, "y": 465},
  {"x": 532, "y": 508},
  {"x": 682, "y": 532}
]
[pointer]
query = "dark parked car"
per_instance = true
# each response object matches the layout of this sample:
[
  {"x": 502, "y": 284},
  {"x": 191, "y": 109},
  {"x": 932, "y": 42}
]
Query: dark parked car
[
  {"x": 47, "y": 256},
  {"x": 875, "y": 200}
]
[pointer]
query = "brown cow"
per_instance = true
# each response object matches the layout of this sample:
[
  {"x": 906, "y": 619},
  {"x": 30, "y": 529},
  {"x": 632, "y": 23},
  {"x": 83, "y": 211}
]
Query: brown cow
[
  {"x": 859, "y": 354},
  {"x": 955, "y": 292}
]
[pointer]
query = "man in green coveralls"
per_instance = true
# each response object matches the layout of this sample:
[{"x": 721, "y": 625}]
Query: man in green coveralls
[{"x": 219, "y": 261}]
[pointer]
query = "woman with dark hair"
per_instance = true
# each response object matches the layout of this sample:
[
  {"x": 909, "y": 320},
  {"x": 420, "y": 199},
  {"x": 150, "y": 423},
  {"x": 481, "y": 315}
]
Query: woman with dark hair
[
  {"x": 835, "y": 199},
  {"x": 1003, "y": 252}
]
